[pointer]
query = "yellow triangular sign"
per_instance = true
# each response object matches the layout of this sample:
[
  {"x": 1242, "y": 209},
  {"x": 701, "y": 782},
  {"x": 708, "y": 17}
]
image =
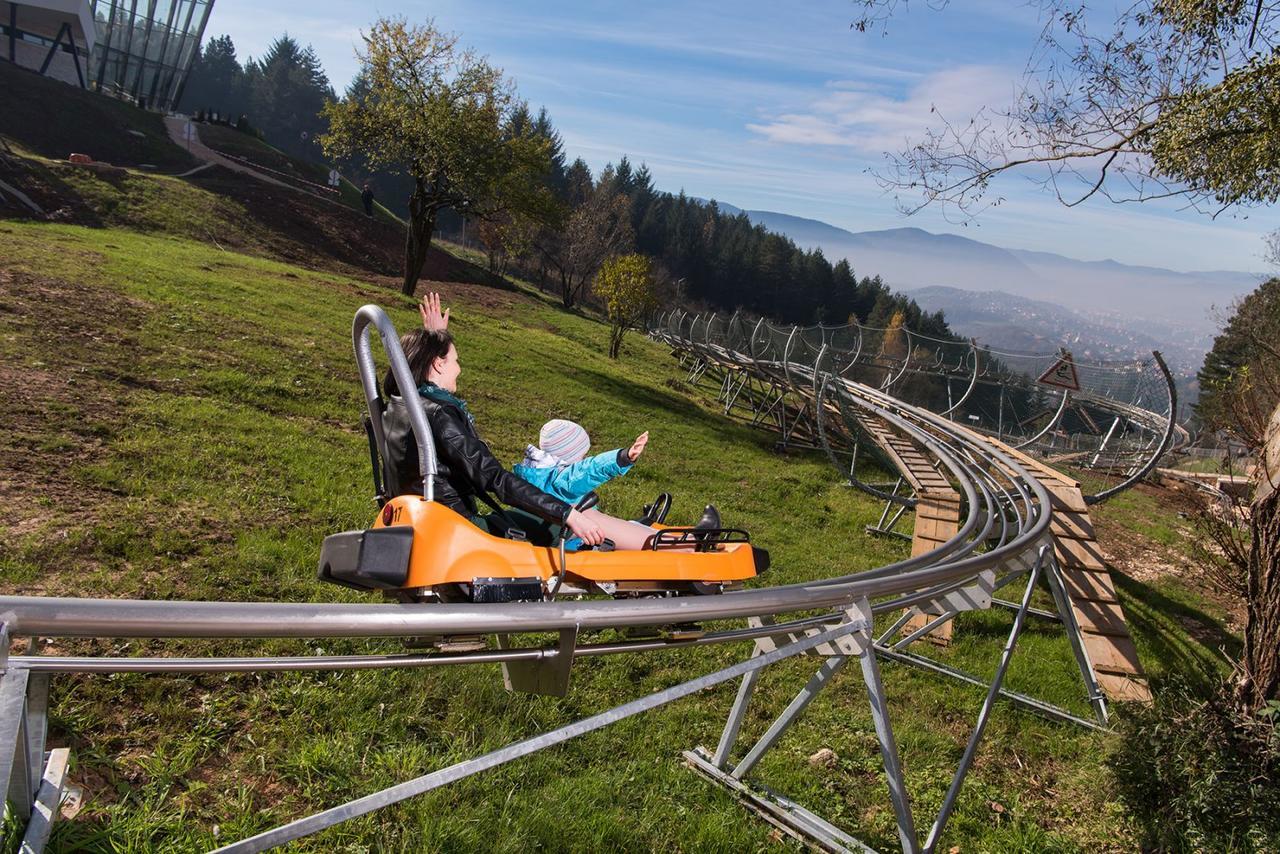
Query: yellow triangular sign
[{"x": 1062, "y": 374}]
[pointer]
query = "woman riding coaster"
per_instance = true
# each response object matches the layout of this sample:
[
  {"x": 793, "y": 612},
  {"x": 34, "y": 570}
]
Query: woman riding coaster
[{"x": 467, "y": 468}]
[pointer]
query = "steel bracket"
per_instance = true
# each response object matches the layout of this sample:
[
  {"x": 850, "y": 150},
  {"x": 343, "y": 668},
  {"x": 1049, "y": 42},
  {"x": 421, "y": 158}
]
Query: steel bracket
[{"x": 549, "y": 675}]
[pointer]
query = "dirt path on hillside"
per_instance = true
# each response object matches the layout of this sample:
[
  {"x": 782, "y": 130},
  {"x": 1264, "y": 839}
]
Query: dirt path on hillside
[
  {"x": 63, "y": 400},
  {"x": 175, "y": 126}
]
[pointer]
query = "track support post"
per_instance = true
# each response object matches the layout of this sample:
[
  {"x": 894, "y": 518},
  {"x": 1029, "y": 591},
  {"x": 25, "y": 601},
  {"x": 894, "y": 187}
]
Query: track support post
[{"x": 778, "y": 810}]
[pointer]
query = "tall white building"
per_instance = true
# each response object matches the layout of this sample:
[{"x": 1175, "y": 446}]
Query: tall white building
[{"x": 53, "y": 37}]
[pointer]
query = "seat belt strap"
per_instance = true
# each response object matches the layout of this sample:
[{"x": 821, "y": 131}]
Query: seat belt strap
[{"x": 379, "y": 493}]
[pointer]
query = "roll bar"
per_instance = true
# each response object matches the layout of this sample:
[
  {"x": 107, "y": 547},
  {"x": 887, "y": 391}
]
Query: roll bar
[{"x": 372, "y": 315}]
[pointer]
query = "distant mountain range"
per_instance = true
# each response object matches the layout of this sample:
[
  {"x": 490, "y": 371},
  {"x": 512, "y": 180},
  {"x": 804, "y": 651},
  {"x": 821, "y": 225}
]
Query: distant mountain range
[{"x": 1012, "y": 298}]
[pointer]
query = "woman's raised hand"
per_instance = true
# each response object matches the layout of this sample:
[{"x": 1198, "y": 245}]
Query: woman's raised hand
[
  {"x": 433, "y": 320},
  {"x": 637, "y": 447},
  {"x": 583, "y": 527}
]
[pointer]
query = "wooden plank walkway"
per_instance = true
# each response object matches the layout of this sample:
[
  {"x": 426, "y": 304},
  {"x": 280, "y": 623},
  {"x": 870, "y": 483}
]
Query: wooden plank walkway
[
  {"x": 1085, "y": 574},
  {"x": 937, "y": 509},
  {"x": 937, "y": 520},
  {"x": 1103, "y": 629}
]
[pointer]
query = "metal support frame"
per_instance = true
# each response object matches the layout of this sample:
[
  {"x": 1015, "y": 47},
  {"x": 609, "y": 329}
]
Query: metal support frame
[
  {"x": 548, "y": 676},
  {"x": 805, "y": 825},
  {"x": 427, "y": 782},
  {"x": 1048, "y": 568},
  {"x": 1171, "y": 427},
  {"x": 32, "y": 785},
  {"x": 886, "y": 526},
  {"x": 1053, "y": 422},
  {"x": 48, "y": 798},
  {"x": 1062, "y": 599},
  {"x": 856, "y": 640},
  {"x": 1102, "y": 448},
  {"x": 771, "y": 400},
  {"x": 16, "y": 762}
]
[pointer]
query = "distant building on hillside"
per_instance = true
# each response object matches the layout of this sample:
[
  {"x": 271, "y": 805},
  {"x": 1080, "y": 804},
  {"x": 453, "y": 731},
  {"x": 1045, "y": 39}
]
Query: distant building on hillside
[
  {"x": 53, "y": 37},
  {"x": 145, "y": 47},
  {"x": 136, "y": 49}
]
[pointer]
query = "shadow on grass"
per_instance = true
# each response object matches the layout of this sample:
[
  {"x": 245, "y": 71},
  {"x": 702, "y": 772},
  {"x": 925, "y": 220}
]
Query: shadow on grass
[
  {"x": 44, "y": 186},
  {"x": 651, "y": 398},
  {"x": 1176, "y": 639},
  {"x": 1184, "y": 639}
]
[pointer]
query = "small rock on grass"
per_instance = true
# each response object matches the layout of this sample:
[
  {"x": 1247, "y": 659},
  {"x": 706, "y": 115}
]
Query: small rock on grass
[{"x": 824, "y": 758}]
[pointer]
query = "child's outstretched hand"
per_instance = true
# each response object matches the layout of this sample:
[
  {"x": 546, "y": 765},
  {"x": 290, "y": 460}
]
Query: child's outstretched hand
[{"x": 637, "y": 447}]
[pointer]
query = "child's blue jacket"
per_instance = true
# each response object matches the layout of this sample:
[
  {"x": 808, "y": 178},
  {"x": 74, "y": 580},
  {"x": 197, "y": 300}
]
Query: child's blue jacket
[{"x": 570, "y": 483}]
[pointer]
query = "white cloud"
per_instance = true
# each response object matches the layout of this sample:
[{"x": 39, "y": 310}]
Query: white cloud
[{"x": 871, "y": 120}]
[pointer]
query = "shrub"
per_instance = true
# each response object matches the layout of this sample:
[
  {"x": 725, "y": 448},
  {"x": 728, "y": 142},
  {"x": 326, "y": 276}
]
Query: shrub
[
  {"x": 1199, "y": 774},
  {"x": 625, "y": 283}
]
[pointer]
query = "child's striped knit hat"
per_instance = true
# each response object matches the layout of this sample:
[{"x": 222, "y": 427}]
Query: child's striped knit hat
[{"x": 564, "y": 439}]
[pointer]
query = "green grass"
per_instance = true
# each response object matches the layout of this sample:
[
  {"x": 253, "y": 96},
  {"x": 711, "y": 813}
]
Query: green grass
[
  {"x": 193, "y": 433},
  {"x": 1209, "y": 465}
]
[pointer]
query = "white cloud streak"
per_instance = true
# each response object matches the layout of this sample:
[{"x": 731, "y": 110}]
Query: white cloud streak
[{"x": 870, "y": 120}]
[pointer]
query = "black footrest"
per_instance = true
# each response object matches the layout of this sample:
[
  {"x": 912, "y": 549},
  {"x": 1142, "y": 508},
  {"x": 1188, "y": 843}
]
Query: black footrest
[{"x": 701, "y": 537}]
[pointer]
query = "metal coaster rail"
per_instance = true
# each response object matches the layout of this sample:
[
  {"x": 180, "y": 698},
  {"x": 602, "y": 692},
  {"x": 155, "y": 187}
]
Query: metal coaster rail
[
  {"x": 1003, "y": 537},
  {"x": 882, "y": 359}
]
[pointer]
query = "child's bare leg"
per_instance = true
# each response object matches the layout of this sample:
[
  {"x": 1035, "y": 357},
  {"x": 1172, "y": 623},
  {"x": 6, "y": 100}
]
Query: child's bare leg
[{"x": 626, "y": 536}]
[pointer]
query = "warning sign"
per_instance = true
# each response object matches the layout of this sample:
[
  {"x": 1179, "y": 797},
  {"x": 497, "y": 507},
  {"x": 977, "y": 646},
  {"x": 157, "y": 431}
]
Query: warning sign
[{"x": 1062, "y": 374}]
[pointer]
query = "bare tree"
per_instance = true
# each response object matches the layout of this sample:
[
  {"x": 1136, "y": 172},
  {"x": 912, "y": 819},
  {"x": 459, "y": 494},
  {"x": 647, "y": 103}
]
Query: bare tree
[
  {"x": 1170, "y": 98},
  {"x": 1240, "y": 393},
  {"x": 597, "y": 229}
]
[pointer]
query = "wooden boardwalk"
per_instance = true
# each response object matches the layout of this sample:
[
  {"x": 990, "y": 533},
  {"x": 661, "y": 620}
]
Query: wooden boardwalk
[
  {"x": 937, "y": 517},
  {"x": 1086, "y": 577},
  {"x": 1088, "y": 582}
]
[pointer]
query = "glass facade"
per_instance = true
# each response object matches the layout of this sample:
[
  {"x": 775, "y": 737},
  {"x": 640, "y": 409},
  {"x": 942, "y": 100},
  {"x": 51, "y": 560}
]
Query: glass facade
[{"x": 145, "y": 48}]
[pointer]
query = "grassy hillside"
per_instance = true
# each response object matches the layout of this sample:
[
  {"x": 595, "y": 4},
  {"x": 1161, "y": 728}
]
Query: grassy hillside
[
  {"x": 224, "y": 210},
  {"x": 181, "y": 422},
  {"x": 54, "y": 119},
  {"x": 218, "y": 207},
  {"x": 231, "y": 141}
]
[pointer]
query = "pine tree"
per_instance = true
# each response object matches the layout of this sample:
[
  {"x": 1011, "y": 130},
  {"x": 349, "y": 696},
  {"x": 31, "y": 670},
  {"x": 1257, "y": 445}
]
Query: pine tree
[
  {"x": 216, "y": 80},
  {"x": 289, "y": 89}
]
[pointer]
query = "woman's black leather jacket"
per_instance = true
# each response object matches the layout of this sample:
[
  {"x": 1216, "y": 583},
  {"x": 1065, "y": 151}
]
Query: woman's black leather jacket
[{"x": 465, "y": 464}]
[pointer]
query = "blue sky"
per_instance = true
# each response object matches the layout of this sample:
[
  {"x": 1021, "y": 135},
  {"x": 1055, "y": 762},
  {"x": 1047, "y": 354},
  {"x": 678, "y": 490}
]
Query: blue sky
[{"x": 774, "y": 106}]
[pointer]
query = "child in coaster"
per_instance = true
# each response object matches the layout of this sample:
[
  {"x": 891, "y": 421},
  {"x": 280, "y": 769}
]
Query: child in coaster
[{"x": 559, "y": 464}]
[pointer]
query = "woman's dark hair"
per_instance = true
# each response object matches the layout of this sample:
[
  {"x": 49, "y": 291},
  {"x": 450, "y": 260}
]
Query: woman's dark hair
[{"x": 421, "y": 348}]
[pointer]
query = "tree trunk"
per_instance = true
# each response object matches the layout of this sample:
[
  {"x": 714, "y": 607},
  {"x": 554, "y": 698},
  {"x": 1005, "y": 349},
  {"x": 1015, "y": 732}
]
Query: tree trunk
[
  {"x": 1261, "y": 680},
  {"x": 566, "y": 289},
  {"x": 615, "y": 340},
  {"x": 422, "y": 224}
]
